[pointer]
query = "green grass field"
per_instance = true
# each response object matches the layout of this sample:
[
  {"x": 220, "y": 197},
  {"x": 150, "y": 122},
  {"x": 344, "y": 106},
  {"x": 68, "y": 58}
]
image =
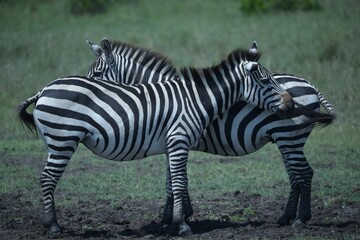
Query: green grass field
[{"x": 41, "y": 40}]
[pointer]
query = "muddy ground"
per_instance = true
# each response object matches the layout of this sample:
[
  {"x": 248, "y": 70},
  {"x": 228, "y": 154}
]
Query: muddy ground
[{"x": 231, "y": 216}]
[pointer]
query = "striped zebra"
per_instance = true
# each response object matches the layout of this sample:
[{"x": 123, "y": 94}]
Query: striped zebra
[
  {"x": 125, "y": 122},
  {"x": 241, "y": 130}
]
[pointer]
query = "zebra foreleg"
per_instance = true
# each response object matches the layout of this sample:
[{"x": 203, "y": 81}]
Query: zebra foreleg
[
  {"x": 169, "y": 205},
  {"x": 48, "y": 180},
  {"x": 188, "y": 210},
  {"x": 168, "y": 210},
  {"x": 178, "y": 151}
]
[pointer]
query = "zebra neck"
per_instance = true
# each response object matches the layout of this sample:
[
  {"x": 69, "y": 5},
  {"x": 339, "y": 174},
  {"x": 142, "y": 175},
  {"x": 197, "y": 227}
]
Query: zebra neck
[
  {"x": 134, "y": 72},
  {"x": 213, "y": 92},
  {"x": 141, "y": 65}
]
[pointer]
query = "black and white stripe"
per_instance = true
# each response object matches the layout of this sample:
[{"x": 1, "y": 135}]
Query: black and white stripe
[
  {"x": 130, "y": 63},
  {"x": 242, "y": 129},
  {"x": 125, "y": 122}
]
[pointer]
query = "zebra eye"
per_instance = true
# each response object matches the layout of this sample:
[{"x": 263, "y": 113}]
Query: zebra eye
[{"x": 97, "y": 74}]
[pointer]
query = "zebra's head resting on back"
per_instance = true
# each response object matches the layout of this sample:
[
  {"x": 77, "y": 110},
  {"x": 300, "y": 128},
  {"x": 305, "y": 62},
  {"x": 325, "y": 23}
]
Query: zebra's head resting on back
[
  {"x": 126, "y": 63},
  {"x": 268, "y": 89}
]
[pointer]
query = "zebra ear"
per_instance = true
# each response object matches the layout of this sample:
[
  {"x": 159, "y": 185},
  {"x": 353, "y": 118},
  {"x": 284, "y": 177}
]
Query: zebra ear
[
  {"x": 251, "y": 66},
  {"x": 95, "y": 48},
  {"x": 253, "y": 48},
  {"x": 106, "y": 48}
]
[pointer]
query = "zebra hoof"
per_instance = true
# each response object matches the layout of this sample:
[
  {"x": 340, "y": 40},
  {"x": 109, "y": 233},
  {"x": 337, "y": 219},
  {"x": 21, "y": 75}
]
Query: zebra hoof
[
  {"x": 54, "y": 232},
  {"x": 185, "y": 230},
  {"x": 298, "y": 223},
  {"x": 284, "y": 221}
]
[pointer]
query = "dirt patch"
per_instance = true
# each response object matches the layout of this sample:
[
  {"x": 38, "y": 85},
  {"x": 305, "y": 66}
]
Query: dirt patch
[{"x": 231, "y": 216}]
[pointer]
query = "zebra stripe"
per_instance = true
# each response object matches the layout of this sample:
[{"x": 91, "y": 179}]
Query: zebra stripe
[
  {"x": 125, "y": 122},
  {"x": 130, "y": 63},
  {"x": 242, "y": 129}
]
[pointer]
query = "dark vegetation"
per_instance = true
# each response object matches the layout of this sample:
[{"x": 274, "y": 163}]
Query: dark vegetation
[{"x": 262, "y": 6}]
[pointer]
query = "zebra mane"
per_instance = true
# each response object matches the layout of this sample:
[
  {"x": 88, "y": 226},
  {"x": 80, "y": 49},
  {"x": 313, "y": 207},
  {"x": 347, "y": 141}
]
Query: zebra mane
[
  {"x": 127, "y": 50},
  {"x": 243, "y": 55},
  {"x": 238, "y": 55}
]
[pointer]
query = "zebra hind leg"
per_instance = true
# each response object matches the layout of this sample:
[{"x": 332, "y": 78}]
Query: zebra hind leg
[
  {"x": 291, "y": 207},
  {"x": 303, "y": 193},
  {"x": 49, "y": 178},
  {"x": 300, "y": 174},
  {"x": 305, "y": 203}
]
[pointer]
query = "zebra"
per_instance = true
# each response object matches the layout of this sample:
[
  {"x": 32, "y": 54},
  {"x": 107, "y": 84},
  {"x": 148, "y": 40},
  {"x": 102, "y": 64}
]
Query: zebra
[
  {"x": 227, "y": 135},
  {"x": 126, "y": 122}
]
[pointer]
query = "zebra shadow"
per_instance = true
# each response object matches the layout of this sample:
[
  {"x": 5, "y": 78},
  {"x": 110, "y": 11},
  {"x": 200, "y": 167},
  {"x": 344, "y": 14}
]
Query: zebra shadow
[{"x": 158, "y": 229}]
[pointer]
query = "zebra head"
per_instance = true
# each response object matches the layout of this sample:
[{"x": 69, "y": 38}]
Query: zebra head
[
  {"x": 129, "y": 64},
  {"x": 261, "y": 89},
  {"x": 105, "y": 64}
]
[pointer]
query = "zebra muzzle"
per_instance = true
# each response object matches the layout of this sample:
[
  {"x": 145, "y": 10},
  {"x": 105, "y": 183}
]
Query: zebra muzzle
[
  {"x": 288, "y": 106},
  {"x": 288, "y": 102}
]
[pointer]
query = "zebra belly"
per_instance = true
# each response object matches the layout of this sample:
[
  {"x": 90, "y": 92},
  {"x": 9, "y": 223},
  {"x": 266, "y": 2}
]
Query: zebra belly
[
  {"x": 132, "y": 149},
  {"x": 229, "y": 150}
]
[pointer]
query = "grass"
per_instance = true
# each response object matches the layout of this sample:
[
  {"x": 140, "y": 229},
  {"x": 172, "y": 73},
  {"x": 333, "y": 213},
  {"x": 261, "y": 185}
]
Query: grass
[{"x": 41, "y": 41}]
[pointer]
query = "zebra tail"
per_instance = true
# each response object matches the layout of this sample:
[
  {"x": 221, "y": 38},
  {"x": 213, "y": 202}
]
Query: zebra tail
[
  {"x": 329, "y": 107},
  {"x": 25, "y": 117},
  {"x": 316, "y": 118}
]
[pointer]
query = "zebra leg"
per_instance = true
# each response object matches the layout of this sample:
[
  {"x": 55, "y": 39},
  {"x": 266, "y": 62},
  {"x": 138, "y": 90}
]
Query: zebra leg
[
  {"x": 305, "y": 200},
  {"x": 51, "y": 174},
  {"x": 188, "y": 210},
  {"x": 291, "y": 207},
  {"x": 169, "y": 205},
  {"x": 300, "y": 174},
  {"x": 178, "y": 151}
]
